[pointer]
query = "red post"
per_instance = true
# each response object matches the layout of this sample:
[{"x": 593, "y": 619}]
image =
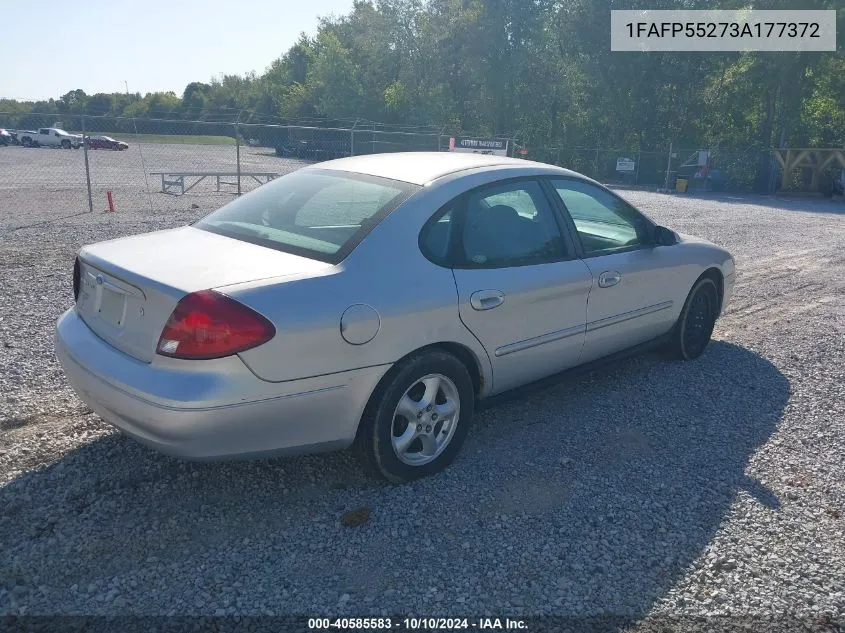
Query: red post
[{"x": 111, "y": 201}]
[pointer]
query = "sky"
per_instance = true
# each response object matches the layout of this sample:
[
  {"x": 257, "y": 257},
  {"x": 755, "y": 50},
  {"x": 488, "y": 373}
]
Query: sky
[{"x": 153, "y": 45}]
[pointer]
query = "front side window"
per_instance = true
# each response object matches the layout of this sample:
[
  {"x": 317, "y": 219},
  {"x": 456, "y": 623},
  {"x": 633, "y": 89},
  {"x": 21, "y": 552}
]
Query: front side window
[
  {"x": 509, "y": 225},
  {"x": 605, "y": 223},
  {"x": 317, "y": 213}
]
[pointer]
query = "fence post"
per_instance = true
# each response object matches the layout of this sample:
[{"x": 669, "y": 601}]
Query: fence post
[
  {"x": 557, "y": 161},
  {"x": 637, "y": 173},
  {"x": 238, "y": 149},
  {"x": 352, "y": 139},
  {"x": 668, "y": 168},
  {"x": 87, "y": 166},
  {"x": 596, "y": 174}
]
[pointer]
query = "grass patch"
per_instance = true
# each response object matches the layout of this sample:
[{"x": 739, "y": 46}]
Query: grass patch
[
  {"x": 192, "y": 139},
  {"x": 186, "y": 139}
]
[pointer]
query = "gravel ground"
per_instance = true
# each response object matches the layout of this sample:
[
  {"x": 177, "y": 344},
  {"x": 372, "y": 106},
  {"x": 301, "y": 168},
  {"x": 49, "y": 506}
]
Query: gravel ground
[
  {"x": 646, "y": 490},
  {"x": 48, "y": 182}
]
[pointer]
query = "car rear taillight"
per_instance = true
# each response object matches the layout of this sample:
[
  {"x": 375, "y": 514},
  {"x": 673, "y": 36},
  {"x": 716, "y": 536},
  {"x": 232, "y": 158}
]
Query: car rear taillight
[
  {"x": 77, "y": 276},
  {"x": 208, "y": 325}
]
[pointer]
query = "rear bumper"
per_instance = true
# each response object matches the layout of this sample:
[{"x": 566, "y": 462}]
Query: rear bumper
[{"x": 214, "y": 409}]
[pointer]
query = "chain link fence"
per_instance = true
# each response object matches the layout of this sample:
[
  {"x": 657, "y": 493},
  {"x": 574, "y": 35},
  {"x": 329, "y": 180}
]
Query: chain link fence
[
  {"x": 53, "y": 162},
  {"x": 49, "y": 180},
  {"x": 749, "y": 170}
]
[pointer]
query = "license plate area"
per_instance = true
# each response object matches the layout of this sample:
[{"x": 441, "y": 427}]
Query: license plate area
[{"x": 112, "y": 307}]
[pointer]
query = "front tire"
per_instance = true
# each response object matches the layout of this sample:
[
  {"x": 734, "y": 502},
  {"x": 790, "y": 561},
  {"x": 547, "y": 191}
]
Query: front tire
[
  {"x": 418, "y": 418},
  {"x": 695, "y": 324},
  {"x": 65, "y": 144}
]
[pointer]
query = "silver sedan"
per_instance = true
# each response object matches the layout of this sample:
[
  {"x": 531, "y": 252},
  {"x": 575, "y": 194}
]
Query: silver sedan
[{"x": 372, "y": 301}]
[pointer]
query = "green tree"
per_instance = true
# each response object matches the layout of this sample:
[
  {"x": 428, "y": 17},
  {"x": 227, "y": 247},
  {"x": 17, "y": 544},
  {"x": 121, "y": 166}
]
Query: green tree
[
  {"x": 100, "y": 103},
  {"x": 333, "y": 79}
]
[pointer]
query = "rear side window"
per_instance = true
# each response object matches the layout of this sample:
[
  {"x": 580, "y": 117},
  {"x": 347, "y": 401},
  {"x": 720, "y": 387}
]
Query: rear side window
[
  {"x": 322, "y": 214},
  {"x": 436, "y": 236},
  {"x": 509, "y": 224},
  {"x": 495, "y": 226}
]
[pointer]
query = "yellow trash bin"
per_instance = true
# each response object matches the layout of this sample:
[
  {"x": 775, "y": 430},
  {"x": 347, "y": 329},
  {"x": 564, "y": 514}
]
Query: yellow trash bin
[{"x": 681, "y": 185}]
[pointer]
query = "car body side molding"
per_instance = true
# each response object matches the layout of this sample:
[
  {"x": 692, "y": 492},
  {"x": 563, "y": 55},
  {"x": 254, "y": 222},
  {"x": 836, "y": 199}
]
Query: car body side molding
[
  {"x": 539, "y": 340},
  {"x": 627, "y": 316}
]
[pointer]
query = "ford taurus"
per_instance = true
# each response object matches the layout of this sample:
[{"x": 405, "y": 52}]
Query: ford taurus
[{"x": 373, "y": 301}]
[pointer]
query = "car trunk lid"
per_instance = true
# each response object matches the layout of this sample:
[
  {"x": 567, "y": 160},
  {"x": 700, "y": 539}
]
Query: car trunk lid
[{"x": 129, "y": 287}]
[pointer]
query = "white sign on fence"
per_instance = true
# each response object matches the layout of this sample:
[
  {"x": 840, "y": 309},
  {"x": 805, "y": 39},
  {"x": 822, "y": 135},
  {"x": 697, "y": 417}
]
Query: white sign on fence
[
  {"x": 479, "y": 145},
  {"x": 625, "y": 164}
]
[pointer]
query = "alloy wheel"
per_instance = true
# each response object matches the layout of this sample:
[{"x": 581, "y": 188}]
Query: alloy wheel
[{"x": 425, "y": 419}]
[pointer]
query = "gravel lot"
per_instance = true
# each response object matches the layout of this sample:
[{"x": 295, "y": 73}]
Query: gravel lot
[
  {"x": 50, "y": 182},
  {"x": 644, "y": 490}
]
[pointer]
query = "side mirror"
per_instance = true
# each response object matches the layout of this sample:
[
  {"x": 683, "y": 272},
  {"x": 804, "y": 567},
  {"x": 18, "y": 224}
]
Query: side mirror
[{"x": 661, "y": 236}]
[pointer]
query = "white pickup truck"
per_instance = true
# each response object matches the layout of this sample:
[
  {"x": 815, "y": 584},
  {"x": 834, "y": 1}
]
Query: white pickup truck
[{"x": 50, "y": 137}]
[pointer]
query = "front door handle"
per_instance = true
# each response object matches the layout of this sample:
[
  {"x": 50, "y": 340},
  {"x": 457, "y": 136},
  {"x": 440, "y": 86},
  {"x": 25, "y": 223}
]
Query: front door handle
[
  {"x": 609, "y": 278},
  {"x": 486, "y": 299}
]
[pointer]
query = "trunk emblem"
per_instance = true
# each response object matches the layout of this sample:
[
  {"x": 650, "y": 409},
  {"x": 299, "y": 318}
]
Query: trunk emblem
[{"x": 100, "y": 280}]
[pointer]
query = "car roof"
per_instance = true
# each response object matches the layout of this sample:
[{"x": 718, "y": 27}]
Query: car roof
[{"x": 422, "y": 167}]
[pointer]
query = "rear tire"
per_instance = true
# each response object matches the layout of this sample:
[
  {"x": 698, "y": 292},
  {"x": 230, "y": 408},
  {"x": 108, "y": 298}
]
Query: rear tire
[
  {"x": 695, "y": 325},
  {"x": 65, "y": 144},
  {"x": 407, "y": 430}
]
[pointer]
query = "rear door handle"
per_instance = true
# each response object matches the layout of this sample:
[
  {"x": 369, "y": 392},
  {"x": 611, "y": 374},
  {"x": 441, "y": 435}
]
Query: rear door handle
[
  {"x": 486, "y": 299},
  {"x": 609, "y": 278}
]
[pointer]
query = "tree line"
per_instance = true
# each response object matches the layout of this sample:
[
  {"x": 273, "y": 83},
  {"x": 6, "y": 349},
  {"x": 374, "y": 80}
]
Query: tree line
[{"x": 538, "y": 69}]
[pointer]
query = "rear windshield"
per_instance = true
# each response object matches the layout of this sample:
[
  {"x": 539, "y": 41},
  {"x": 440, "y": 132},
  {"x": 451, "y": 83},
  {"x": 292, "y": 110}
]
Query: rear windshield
[{"x": 322, "y": 214}]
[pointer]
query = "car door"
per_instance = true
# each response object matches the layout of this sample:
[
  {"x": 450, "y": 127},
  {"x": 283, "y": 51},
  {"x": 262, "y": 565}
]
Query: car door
[
  {"x": 522, "y": 290},
  {"x": 631, "y": 299}
]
